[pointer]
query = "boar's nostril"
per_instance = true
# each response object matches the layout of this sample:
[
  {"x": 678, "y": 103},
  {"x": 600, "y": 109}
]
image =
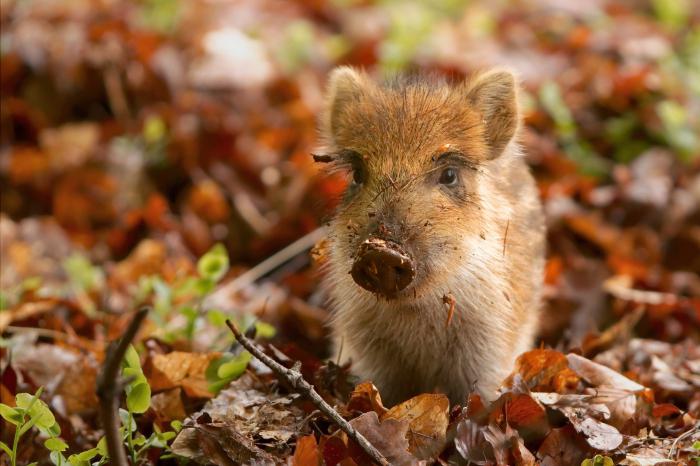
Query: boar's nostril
[{"x": 383, "y": 267}]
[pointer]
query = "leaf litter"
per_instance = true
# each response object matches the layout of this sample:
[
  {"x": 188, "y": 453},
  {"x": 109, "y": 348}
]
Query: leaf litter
[{"x": 137, "y": 136}]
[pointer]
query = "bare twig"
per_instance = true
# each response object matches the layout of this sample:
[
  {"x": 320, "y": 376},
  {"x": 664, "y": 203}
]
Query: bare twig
[
  {"x": 693, "y": 430},
  {"x": 109, "y": 387},
  {"x": 301, "y": 245},
  {"x": 296, "y": 380},
  {"x": 620, "y": 286}
]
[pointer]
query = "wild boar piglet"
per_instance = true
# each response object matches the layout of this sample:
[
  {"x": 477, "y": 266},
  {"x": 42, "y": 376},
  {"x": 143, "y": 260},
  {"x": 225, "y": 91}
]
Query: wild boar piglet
[{"x": 440, "y": 209}]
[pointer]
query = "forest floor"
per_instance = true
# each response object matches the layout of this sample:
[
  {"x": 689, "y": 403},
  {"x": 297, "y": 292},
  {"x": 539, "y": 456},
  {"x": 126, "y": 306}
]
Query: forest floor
[{"x": 153, "y": 151}]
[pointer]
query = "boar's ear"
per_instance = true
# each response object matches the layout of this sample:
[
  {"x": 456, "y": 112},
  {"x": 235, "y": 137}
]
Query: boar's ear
[
  {"x": 494, "y": 95},
  {"x": 345, "y": 86}
]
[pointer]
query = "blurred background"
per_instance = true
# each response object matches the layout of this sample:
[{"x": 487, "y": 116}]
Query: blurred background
[{"x": 136, "y": 135}]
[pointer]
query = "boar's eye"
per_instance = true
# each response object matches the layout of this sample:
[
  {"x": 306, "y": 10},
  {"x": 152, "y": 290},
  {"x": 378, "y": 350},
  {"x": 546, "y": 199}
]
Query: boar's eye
[
  {"x": 448, "y": 177},
  {"x": 358, "y": 175}
]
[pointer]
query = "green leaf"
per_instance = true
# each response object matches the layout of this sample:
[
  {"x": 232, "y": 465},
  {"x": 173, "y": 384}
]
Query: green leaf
[
  {"x": 38, "y": 411},
  {"x": 55, "y": 444},
  {"x": 154, "y": 130},
  {"x": 217, "y": 318},
  {"x": 222, "y": 371},
  {"x": 138, "y": 397},
  {"x": 57, "y": 458},
  {"x": 83, "y": 458},
  {"x": 31, "y": 283},
  {"x": 672, "y": 13},
  {"x": 24, "y": 400},
  {"x": 87, "y": 454},
  {"x": 232, "y": 369},
  {"x": 598, "y": 460},
  {"x": 82, "y": 273},
  {"x": 204, "y": 286},
  {"x": 139, "y": 440},
  {"x": 264, "y": 330},
  {"x": 10, "y": 414},
  {"x": 131, "y": 358},
  {"x": 4, "y": 447},
  {"x": 127, "y": 421},
  {"x": 102, "y": 447},
  {"x": 42, "y": 415},
  {"x": 214, "y": 264},
  {"x": 51, "y": 431},
  {"x": 176, "y": 425}
]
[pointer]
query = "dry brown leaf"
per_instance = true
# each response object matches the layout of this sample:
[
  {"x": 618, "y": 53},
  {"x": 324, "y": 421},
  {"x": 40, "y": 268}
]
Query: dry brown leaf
[
  {"x": 544, "y": 370},
  {"x": 389, "y": 437},
  {"x": 70, "y": 145},
  {"x": 180, "y": 369},
  {"x": 167, "y": 406},
  {"x": 428, "y": 417},
  {"x": 365, "y": 397},
  {"x": 646, "y": 456},
  {"x": 583, "y": 414},
  {"x": 207, "y": 200},
  {"x": 597, "y": 374},
  {"x": 67, "y": 373},
  {"x": 264, "y": 418},
  {"x": 146, "y": 259},
  {"x": 562, "y": 446}
]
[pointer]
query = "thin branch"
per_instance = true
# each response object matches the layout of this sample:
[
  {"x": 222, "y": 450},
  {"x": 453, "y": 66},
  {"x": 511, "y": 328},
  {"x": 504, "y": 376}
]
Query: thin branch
[
  {"x": 693, "y": 430},
  {"x": 296, "y": 380},
  {"x": 282, "y": 256},
  {"x": 109, "y": 388}
]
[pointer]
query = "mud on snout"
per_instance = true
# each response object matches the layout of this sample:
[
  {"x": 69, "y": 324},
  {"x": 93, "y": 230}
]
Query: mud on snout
[{"x": 383, "y": 267}]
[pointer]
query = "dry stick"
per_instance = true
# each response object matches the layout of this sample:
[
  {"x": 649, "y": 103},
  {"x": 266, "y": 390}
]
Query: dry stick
[
  {"x": 109, "y": 388},
  {"x": 296, "y": 380},
  {"x": 299, "y": 246},
  {"x": 693, "y": 430}
]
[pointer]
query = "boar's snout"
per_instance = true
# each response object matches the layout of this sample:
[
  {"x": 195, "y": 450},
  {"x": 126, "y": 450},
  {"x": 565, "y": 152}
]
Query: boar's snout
[{"x": 383, "y": 267}]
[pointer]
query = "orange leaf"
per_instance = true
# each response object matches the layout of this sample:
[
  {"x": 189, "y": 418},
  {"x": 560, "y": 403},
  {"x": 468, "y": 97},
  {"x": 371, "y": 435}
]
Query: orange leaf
[
  {"x": 306, "y": 452},
  {"x": 544, "y": 370},
  {"x": 180, "y": 369},
  {"x": 365, "y": 397}
]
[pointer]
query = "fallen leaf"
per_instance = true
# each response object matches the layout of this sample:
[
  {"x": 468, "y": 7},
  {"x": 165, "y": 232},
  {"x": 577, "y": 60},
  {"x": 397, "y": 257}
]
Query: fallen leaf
[
  {"x": 388, "y": 436},
  {"x": 544, "y": 370},
  {"x": 597, "y": 374},
  {"x": 427, "y": 416},
  {"x": 167, "y": 406},
  {"x": 365, "y": 397},
  {"x": 471, "y": 443},
  {"x": 583, "y": 417},
  {"x": 562, "y": 446},
  {"x": 180, "y": 369},
  {"x": 306, "y": 452},
  {"x": 264, "y": 418}
]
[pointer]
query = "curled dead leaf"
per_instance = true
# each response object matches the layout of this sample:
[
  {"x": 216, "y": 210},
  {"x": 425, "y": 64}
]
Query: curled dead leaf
[
  {"x": 597, "y": 374},
  {"x": 544, "y": 370},
  {"x": 365, "y": 397}
]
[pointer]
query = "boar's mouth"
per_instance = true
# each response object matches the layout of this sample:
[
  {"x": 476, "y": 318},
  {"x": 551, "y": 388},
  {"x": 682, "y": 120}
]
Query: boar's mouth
[{"x": 383, "y": 267}]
